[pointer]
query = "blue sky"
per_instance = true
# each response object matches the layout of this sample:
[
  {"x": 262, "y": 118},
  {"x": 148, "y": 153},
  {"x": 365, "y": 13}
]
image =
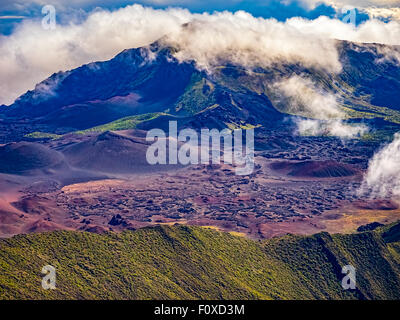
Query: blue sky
[{"x": 13, "y": 12}]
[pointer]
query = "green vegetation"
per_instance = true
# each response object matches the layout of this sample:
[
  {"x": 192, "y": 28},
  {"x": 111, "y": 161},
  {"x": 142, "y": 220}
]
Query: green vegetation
[
  {"x": 123, "y": 123},
  {"x": 241, "y": 125},
  {"x": 182, "y": 262},
  {"x": 368, "y": 111},
  {"x": 384, "y": 135},
  {"x": 198, "y": 96},
  {"x": 42, "y": 135}
]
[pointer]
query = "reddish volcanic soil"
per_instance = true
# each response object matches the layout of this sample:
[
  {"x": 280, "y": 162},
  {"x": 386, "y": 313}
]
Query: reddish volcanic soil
[
  {"x": 27, "y": 157},
  {"x": 102, "y": 183},
  {"x": 377, "y": 204},
  {"x": 25, "y": 215},
  {"x": 314, "y": 169},
  {"x": 262, "y": 205},
  {"x": 10, "y": 218}
]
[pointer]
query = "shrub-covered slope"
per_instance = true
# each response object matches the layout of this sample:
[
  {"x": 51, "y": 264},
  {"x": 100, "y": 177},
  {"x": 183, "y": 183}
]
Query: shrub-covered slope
[{"x": 183, "y": 262}]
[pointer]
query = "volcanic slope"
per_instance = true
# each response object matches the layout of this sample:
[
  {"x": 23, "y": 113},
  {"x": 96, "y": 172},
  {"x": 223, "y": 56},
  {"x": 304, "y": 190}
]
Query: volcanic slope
[
  {"x": 315, "y": 169},
  {"x": 131, "y": 84},
  {"x": 181, "y": 262},
  {"x": 27, "y": 157},
  {"x": 113, "y": 152}
]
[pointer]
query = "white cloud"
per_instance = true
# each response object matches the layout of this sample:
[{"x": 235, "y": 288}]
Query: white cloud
[
  {"x": 304, "y": 98},
  {"x": 372, "y": 31},
  {"x": 11, "y": 17},
  {"x": 336, "y": 128},
  {"x": 31, "y": 53},
  {"x": 354, "y": 3},
  {"x": 387, "y": 13},
  {"x": 248, "y": 41},
  {"x": 382, "y": 179}
]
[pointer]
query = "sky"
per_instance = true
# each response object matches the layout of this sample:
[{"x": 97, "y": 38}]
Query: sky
[
  {"x": 12, "y": 12},
  {"x": 245, "y": 32}
]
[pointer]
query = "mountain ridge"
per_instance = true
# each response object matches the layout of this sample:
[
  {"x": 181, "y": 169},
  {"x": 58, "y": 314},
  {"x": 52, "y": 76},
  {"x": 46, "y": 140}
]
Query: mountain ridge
[
  {"x": 182, "y": 262},
  {"x": 150, "y": 79}
]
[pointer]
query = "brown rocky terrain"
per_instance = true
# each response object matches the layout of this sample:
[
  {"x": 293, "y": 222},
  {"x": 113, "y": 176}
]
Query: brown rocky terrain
[{"x": 271, "y": 201}]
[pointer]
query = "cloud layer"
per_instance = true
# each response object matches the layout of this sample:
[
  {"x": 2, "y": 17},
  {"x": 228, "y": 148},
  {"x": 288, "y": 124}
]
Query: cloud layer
[
  {"x": 382, "y": 179},
  {"x": 336, "y": 128},
  {"x": 304, "y": 98},
  {"x": 32, "y": 53},
  {"x": 248, "y": 41}
]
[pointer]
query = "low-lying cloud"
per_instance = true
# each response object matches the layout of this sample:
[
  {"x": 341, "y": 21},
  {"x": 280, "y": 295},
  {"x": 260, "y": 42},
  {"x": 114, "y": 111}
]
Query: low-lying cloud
[
  {"x": 302, "y": 97},
  {"x": 336, "y": 128},
  {"x": 31, "y": 53},
  {"x": 382, "y": 179},
  {"x": 244, "y": 40}
]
